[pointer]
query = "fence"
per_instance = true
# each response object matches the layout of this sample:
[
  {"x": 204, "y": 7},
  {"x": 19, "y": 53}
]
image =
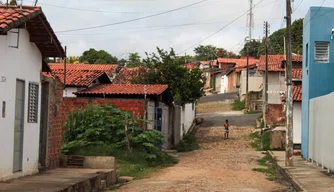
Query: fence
[
  {"x": 321, "y": 131},
  {"x": 184, "y": 119}
]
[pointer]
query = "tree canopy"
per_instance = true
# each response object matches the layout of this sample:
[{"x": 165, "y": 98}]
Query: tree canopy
[
  {"x": 93, "y": 56},
  {"x": 185, "y": 85},
  {"x": 276, "y": 42},
  {"x": 134, "y": 60},
  {"x": 204, "y": 53}
]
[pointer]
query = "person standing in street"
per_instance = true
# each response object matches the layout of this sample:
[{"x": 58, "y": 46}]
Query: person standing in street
[{"x": 226, "y": 129}]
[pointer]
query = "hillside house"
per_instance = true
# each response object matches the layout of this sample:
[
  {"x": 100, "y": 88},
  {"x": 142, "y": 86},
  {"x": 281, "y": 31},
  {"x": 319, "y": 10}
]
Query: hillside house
[
  {"x": 26, "y": 39},
  {"x": 318, "y": 88}
]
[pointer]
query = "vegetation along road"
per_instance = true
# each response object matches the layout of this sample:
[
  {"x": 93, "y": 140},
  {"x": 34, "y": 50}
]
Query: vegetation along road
[{"x": 219, "y": 165}]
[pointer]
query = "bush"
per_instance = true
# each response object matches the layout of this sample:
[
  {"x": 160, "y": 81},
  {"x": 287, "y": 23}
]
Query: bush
[
  {"x": 238, "y": 105},
  {"x": 189, "y": 143},
  {"x": 260, "y": 142},
  {"x": 105, "y": 126}
]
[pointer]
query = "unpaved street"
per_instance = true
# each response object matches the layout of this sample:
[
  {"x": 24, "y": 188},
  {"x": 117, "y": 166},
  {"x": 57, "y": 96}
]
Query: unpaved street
[{"x": 220, "y": 165}]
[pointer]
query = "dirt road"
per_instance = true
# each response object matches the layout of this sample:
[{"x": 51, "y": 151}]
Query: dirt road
[{"x": 220, "y": 165}]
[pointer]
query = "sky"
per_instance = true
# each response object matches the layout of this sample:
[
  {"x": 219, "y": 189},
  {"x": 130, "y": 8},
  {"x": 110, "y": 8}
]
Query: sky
[{"x": 180, "y": 30}]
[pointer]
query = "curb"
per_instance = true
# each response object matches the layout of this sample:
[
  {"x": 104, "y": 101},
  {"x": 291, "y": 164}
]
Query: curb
[{"x": 285, "y": 173}]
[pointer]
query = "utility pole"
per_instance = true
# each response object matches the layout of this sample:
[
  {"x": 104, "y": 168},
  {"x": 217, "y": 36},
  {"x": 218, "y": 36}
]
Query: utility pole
[
  {"x": 266, "y": 77},
  {"x": 65, "y": 58},
  {"x": 289, "y": 99},
  {"x": 250, "y": 25}
]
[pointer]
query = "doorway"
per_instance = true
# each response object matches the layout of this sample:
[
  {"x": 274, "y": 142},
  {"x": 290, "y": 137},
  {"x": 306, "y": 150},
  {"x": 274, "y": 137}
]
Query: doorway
[
  {"x": 44, "y": 125},
  {"x": 19, "y": 125}
]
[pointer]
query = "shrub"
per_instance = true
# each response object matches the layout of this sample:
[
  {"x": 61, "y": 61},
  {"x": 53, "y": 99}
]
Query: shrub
[
  {"x": 238, "y": 105},
  {"x": 189, "y": 143}
]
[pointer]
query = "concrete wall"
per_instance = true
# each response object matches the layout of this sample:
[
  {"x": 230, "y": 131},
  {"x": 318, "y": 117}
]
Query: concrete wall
[
  {"x": 276, "y": 114},
  {"x": 254, "y": 82},
  {"x": 276, "y": 84},
  {"x": 218, "y": 81},
  {"x": 321, "y": 131},
  {"x": 188, "y": 116},
  {"x": 68, "y": 92},
  {"x": 318, "y": 78},
  {"x": 297, "y": 122},
  {"x": 24, "y": 63},
  {"x": 233, "y": 80},
  {"x": 224, "y": 84}
]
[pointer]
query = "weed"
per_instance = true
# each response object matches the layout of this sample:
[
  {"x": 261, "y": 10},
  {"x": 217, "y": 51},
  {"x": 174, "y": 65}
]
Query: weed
[
  {"x": 238, "y": 105},
  {"x": 189, "y": 143},
  {"x": 268, "y": 169},
  {"x": 252, "y": 112},
  {"x": 260, "y": 142}
]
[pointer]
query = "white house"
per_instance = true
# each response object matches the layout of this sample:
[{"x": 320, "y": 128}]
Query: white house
[{"x": 26, "y": 38}]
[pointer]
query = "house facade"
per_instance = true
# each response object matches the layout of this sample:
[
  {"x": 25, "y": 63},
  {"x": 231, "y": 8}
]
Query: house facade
[
  {"x": 26, "y": 38},
  {"x": 318, "y": 78}
]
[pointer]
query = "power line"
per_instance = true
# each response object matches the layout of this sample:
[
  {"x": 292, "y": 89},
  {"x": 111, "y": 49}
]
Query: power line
[
  {"x": 219, "y": 29},
  {"x": 131, "y": 20},
  {"x": 313, "y": 17},
  {"x": 297, "y": 6}
]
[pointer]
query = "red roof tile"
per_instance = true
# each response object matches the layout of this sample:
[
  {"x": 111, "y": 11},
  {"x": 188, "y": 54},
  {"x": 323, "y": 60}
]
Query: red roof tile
[
  {"x": 275, "y": 62},
  {"x": 78, "y": 78},
  {"x": 15, "y": 16},
  {"x": 297, "y": 93},
  {"x": 126, "y": 75},
  {"x": 107, "y": 68},
  {"x": 297, "y": 74},
  {"x": 191, "y": 65},
  {"x": 239, "y": 62},
  {"x": 124, "y": 89}
]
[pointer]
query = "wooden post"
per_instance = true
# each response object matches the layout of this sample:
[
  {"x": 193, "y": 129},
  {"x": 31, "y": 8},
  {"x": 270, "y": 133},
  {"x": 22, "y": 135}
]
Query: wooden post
[
  {"x": 289, "y": 99},
  {"x": 65, "y": 58},
  {"x": 127, "y": 134}
]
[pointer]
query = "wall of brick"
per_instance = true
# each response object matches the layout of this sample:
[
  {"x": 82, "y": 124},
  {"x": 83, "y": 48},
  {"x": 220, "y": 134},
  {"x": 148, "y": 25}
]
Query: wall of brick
[
  {"x": 276, "y": 114},
  {"x": 55, "y": 127}
]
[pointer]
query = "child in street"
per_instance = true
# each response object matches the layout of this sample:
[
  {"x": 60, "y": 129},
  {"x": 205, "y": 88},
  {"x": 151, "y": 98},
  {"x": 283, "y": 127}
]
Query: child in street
[{"x": 226, "y": 127}]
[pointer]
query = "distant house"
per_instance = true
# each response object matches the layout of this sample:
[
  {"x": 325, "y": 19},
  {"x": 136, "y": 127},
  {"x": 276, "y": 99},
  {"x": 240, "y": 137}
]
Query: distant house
[
  {"x": 277, "y": 85},
  {"x": 82, "y": 76},
  {"x": 234, "y": 73},
  {"x": 126, "y": 75},
  {"x": 218, "y": 81},
  {"x": 151, "y": 102},
  {"x": 318, "y": 88},
  {"x": 192, "y": 65},
  {"x": 26, "y": 39}
]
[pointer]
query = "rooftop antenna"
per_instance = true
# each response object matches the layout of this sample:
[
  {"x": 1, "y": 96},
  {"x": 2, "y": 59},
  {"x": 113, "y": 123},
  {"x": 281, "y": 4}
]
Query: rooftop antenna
[
  {"x": 21, "y": 4},
  {"x": 7, "y": 6},
  {"x": 36, "y": 2}
]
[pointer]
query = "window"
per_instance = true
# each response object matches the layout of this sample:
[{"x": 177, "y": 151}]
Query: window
[
  {"x": 306, "y": 62},
  {"x": 321, "y": 52},
  {"x": 33, "y": 103}
]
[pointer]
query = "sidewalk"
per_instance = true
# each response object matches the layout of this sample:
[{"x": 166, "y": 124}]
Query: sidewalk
[
  {"x": 304, "y": 176},
  {"x": 62, "y": 179}
]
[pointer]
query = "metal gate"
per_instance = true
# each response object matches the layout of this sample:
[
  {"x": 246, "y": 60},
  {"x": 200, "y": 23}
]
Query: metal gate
[{"x": 19, "y": 125}]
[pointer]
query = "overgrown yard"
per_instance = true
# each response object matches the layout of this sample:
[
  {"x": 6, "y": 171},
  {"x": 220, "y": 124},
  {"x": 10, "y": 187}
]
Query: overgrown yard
[
  {"x": 101, "y": 131},
  {"x": 214, "y": 107}
]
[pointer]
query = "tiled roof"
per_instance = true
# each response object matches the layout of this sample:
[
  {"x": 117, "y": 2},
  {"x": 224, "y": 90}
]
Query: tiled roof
[
  {"x": 275, "y": 62},
  {"x": 36, "y": 24},
  {"x": 107, "y": 68},
  {"x": 14, "y": 16},
  {"x": 78, "y": 78},
  {"x": 191, "y": 65},
  {"x": 297, "y": 74},
  {"x": 124, "y": 89},
  {"x": 297, "y": 93},
  {"x": 126, "y": 75},
  {"x": 239, "y": 62},
  {"x": 239, "y": 69}
]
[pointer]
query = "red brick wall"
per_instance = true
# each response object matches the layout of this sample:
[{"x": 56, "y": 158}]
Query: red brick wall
[
  {"x": 276, "y": 114},
  {"x": 55, "y": 125}
]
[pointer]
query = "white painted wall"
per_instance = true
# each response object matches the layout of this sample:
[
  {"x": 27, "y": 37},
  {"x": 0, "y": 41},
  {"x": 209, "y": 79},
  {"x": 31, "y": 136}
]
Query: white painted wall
[
  {"x": 275, "y": 83},
  {"x": 321, "y": 131},
  {"x": 68, "y": 92},
  {"x": 254, "y": 82},
  {"x": 297, "y": 122},
  {"x": 224, "y": 84},
  {"x": 24, "y": 63},
  {"x": 218, "y": 82},
  {"x": 188, "y": 116}
]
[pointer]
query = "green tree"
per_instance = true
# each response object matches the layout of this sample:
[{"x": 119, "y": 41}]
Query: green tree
[
  {"x": 134, "y": 60},
  {"x": 93, "y": 56},
  {"x": 253, "y": 49},
  {"x": 164, "y": 68},
  {"x": 223, "y": 53},
  {"x": 207, "y": 52}
]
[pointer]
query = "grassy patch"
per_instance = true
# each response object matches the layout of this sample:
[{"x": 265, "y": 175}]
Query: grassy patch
[
  {"x": 213, "y": 107},
  {"x": 189, "y": 143},
  {"x": 268, "y": 168},
  {"x": 252, "y": 112},
  {"x": 260, "y": 142},
  {"x": 133, "y": 164},
  {"x": 238, "y": 105}
]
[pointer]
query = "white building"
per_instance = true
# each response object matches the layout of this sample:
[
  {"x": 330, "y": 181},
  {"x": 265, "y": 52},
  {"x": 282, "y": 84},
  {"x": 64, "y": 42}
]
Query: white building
[{"x": 26, "y": 38}]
